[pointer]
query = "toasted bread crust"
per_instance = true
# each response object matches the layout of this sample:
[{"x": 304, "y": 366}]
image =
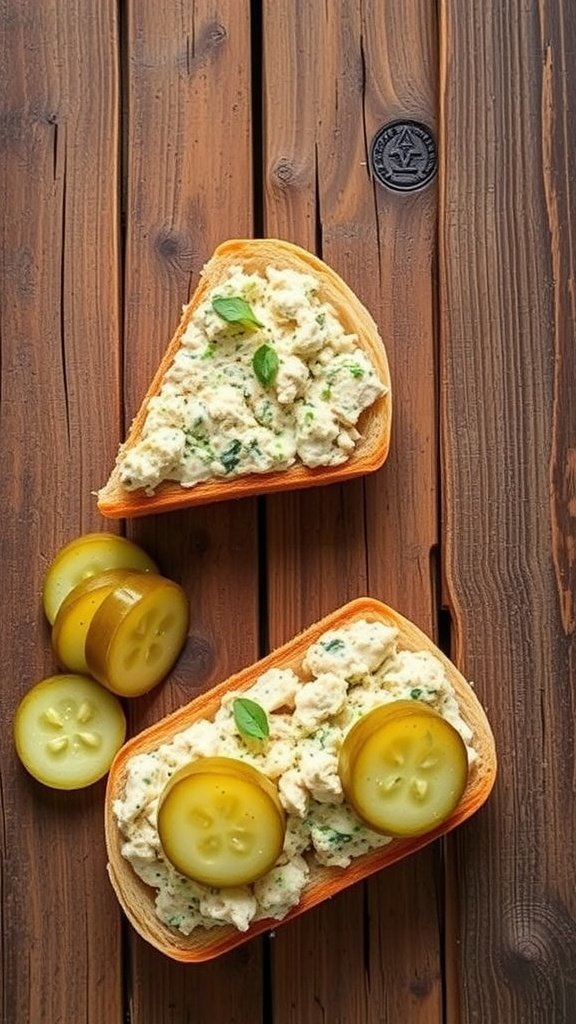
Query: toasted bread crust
[
  {"x": 374, "y": 425},
  {"x": 137, "y": 899}
]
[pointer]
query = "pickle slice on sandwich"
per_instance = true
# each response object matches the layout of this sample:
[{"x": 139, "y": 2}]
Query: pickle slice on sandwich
[
  {"x": 403, "y": 768},
  {"x": 221, "y": 822}
]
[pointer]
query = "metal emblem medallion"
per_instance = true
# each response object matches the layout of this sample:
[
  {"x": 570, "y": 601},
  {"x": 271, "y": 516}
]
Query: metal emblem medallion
[{"x": 403, "y": 155}]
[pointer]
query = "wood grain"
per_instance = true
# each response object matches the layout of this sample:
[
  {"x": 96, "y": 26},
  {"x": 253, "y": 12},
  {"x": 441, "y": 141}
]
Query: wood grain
[
  {"x": 188, "y": 188},
  {"x": 507, "y": 376},
  {"x": 333, "y": 75},
  {"x": 59, "y": 335},
  {"x": 128, "y": 133}
]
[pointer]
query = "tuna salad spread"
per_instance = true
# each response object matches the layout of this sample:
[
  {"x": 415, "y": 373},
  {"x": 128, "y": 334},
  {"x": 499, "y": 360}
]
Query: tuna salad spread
[
  {"x": 346, "y": 673},
  {"x": 265, "y": 377}
]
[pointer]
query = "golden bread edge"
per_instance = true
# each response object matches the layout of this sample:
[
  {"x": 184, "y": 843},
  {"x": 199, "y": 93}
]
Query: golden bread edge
[
  {"x": 137, "y": 899},
  {"x": 375, "y": 423}
]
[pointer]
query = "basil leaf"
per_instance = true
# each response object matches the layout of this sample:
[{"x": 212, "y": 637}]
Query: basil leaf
[
  {"x": 265, "y": 365},
  {"x": 235, "y": 310},
  {"x": 251, "y": 720}
]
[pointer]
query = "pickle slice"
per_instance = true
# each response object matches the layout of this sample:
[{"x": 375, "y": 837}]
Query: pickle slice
[
  {"x": 221, "y": 822},
  {"x": 86, "y": 556},
  {"x": 75, "y": 615},
  {"x": 137, "y": 633},
  {"x": 403, "y": 768},
  {"x": 67, "y": 730}
]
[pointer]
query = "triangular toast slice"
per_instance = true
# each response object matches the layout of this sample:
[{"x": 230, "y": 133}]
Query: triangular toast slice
[{"x": 360, "y": 446}]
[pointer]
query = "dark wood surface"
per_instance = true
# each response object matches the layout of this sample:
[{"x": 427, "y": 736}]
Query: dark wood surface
[
  {"x": 133, "y": 138},
  {"x": 507, "y": 383}
]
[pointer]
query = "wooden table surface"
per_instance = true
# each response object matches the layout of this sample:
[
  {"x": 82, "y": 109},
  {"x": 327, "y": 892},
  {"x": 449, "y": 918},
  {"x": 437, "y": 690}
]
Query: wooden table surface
[{"x": 137, "y": 135}]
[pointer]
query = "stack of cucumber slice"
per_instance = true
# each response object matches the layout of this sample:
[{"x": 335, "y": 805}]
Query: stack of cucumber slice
[{"x": 116, "y": 624}]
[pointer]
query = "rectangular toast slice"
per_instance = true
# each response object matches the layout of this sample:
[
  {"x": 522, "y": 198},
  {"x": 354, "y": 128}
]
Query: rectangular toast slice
[{"x": 138, "y": 899}]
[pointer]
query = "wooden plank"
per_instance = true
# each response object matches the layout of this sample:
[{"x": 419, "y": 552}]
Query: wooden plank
[
  {"x": 334, "y": 74},
  {"x": 60, "y": 337},
  {"x": 189, "y": 187},
  {"x": 508, "y": 208}
]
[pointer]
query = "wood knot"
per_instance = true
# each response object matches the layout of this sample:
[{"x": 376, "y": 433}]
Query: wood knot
[
  {"x": 196, "y": 664},
  {"x": 284, "y": 173},
  {"x": 174, "y": 248},
  {"x": 420, "y": 987},
  {"x": 539, "y": 940},
  {"x": 214, "y": 34},
  {"x": 199, "y": 543},
  {"x": 201, "y": 47}
]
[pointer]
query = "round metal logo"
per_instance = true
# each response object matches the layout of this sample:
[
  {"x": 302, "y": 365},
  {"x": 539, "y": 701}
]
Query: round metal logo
[{"x": 403, "y": 155}]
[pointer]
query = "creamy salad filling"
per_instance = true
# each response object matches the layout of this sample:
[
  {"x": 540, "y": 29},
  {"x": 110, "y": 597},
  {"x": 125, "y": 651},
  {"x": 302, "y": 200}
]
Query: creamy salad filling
[
  {"x": 266, "y": 376},
  {"x": 346, "y": 673}
]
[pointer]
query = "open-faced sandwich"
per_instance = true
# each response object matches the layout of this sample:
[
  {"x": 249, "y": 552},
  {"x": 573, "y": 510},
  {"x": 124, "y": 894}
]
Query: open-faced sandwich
[
  {"x": 355, "y": 744},
  {"x": 276, "y": 379}
]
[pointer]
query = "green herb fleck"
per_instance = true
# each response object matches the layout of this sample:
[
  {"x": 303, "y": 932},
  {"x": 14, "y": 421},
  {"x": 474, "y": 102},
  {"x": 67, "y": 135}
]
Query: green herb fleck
[
  {"x": 416, "y": 693},
  {"x": 209, "y": 351},
  {"x": 251, "y": 719},
  {"x": 321, "y": 319},
  {"x": 264, "y": 413},
  {"x": 265, "y": 364},
  {"x": 334, "y": 645},
  {"x": 326, "y": 394},
  {"x": 235, "y": 310},
  {"x": 333, "y": 836},
  {"x": 320, "y": 735},
  {"x": 308, "y": 417},
  {"x": 356, "y": 370},
  {"x": 231, "y": 457}
]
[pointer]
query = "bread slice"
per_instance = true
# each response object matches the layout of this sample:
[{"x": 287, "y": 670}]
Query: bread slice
[
  {"x": 137, "y": 899},
  {"x": 374, "y": 425}
]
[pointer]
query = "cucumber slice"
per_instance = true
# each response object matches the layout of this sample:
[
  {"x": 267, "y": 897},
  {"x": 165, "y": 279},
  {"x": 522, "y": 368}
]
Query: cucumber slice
[
  {"x": 86, "y": 556},
  {"x": 403, "y": 768},
  {"x": 137, "y": 634},
  {"x": 221, "y": 822}
]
